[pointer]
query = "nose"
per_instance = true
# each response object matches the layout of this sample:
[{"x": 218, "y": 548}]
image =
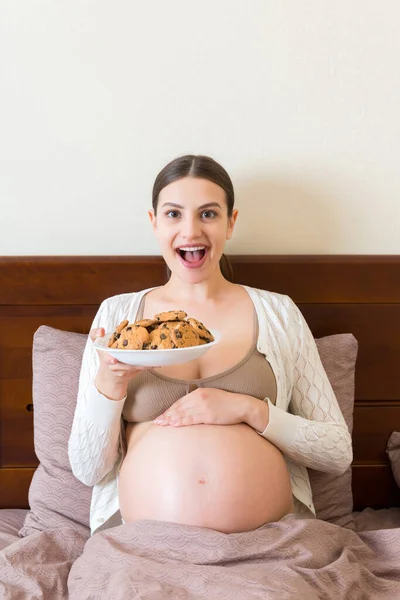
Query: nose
[{"x": 191, "y": 228}]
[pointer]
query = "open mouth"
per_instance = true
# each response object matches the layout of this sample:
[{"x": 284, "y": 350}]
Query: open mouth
[{"x": 192, "y": 257}]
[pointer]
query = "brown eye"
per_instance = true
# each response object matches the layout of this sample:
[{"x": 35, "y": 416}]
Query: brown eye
[
  {"x": 172, "y": 214},
  {"x": 209, "y": 214}
]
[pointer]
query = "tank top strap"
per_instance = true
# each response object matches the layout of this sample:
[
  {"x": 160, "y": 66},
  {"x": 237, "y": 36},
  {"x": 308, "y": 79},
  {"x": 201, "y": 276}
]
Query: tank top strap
[{"x": 256, "y": 327}]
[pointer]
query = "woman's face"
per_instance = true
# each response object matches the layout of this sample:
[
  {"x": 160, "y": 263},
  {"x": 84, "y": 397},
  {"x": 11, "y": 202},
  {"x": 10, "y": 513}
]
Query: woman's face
[{"x": 192, "y": 227}]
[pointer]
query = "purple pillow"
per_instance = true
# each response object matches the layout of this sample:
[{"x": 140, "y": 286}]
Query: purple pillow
[
  {"x": 332, "y": 494},
  {"x": 56, "y": 497}
]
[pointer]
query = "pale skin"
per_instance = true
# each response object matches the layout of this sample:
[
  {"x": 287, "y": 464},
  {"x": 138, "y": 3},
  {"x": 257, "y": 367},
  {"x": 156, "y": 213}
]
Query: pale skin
[{"x": 190, "y": 211}]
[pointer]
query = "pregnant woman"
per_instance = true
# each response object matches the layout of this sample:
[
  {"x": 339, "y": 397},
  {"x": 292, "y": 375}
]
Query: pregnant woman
[{"x": 223, "y": 441}]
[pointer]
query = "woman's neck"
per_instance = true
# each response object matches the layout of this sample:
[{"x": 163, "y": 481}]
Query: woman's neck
[{"x": 214, "y": 288}]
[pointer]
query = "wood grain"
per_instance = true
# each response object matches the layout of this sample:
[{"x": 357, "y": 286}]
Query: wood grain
[
  {"x": 373, "y": 425},
  {"x": 16, "y": 424},
  {"x": 325, "y": 279},
  {"x": 14, "y": 486},
  {"x": 374, "y": 486},
  {"x": 307, "y": 279},
  {"x": 76, "y": 280},
  {"x": 377, "y": 330}
]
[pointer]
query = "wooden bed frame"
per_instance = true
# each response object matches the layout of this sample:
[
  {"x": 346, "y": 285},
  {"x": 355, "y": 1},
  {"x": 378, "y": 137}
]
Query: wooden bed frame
[{"x": 337, "y": 294}]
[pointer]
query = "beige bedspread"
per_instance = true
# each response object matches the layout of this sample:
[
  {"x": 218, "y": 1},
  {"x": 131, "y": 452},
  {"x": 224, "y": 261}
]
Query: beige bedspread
[{"x": 293, "y": 559}]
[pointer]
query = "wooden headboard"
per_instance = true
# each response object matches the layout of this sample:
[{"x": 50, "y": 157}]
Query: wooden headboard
[{"x": 337, "y": 294}]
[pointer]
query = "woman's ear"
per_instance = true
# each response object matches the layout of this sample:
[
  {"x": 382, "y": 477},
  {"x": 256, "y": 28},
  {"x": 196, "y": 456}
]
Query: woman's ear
[
  {"x": 231, "y": 224},
  {"x": 153, "y": 219}
]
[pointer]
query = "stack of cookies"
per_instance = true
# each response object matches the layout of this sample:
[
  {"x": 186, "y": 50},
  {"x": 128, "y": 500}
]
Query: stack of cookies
[{"x": 166, "y": 330}]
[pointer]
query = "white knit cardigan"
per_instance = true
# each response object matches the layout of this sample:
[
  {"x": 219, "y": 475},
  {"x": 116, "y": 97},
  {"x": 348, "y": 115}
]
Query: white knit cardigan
[{"x": 313, "y": 434}]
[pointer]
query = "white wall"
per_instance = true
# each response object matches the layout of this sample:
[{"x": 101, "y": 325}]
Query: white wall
[{"x": 299, "y": 101}]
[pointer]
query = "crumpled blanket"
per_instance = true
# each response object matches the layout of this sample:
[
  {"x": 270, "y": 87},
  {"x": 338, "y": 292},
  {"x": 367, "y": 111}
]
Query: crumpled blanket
[
  {"x": 37, "y": 566},
  {"x": 291, "y": 559}
]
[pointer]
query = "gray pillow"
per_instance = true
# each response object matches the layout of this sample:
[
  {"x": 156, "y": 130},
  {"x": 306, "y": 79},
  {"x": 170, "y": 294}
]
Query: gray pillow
[{"x": 57, "y": 498}]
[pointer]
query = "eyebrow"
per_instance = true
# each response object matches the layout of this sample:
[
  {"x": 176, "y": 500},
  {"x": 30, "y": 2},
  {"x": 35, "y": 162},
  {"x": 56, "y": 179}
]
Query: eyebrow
[{"x": 208, "y": 205}]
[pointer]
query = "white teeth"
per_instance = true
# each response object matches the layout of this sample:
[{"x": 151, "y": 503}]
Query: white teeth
[{"x": 192, "y": 249}]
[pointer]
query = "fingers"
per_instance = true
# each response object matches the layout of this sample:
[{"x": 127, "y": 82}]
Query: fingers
[
  {"x": 95, "y": 333},
  {"x": 178, "y": 420},
  {"x": 110, "y": 360},
  {"x": 117, "y": 366}
]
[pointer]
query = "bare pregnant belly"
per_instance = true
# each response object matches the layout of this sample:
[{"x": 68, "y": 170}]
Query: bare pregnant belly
[{"x": 227, "y": 478}]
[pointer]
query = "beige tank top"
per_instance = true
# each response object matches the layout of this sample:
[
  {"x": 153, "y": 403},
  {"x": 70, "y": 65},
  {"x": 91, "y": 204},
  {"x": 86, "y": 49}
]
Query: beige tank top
[{"x": 151, "y": 393}]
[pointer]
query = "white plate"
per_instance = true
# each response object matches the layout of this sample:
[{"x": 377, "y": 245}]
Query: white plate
[{"x": 155, "y": 358}]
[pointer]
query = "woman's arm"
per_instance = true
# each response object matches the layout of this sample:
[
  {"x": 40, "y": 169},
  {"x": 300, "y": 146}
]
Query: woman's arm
[
  {"x": 93, "y": 447},
  {"x": 314, "y": 434}
]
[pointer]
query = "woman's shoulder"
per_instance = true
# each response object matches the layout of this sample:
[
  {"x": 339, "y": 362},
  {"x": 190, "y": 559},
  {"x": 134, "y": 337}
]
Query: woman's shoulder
[
  {"x": 121, "y": 306},
  {"x": 280, "y": 305},
  {"x": 272, "y": 298},
  {"x": 125, "y": 299},
  {"x": 120, "y": 299}
]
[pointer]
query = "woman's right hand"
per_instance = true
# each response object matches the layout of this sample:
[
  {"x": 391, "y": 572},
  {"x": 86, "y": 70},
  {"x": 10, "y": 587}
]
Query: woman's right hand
[{"x": 113, "y": 376}]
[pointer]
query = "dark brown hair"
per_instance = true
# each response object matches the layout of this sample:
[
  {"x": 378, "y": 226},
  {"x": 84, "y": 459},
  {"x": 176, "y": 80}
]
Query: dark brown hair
[{"x": 203, "y": 167}]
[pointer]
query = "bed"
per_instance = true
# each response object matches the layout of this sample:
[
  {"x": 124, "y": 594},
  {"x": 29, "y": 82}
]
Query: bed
[{"x": 352, "y": 550}]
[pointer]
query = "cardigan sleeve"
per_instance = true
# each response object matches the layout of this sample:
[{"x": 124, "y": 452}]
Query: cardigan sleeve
[
  {"x": 314, "y": 432},
  {"x": 94, "y": 443}
]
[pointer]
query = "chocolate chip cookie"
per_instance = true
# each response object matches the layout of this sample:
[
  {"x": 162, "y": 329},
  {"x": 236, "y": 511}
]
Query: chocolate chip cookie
[
  {"x": 171, "y": 315},
  {"x": 160, "y": 339},
  {"x": 183, "y": 335},
  {"x": 132, "y": 337},
  {"x": 166, "y": 330},
  {"x": 201, "y": 330},
  {"x": 147, "y": 323},
  {"x": 114, "y": 337}
]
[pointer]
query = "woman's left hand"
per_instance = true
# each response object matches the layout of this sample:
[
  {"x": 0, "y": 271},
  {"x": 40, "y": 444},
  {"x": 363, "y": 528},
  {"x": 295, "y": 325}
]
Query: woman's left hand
[{"x": 206, "y": 405}]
